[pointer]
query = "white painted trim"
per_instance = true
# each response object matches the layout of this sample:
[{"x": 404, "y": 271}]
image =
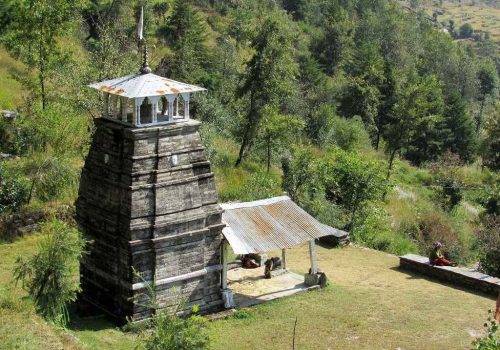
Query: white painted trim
[{"x": 267, "y": 201}]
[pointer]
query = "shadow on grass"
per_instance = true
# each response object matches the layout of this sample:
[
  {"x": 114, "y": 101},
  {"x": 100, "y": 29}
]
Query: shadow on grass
[
  {"x": 418, "y": 276},
  {"x": 89, "y": 320}
]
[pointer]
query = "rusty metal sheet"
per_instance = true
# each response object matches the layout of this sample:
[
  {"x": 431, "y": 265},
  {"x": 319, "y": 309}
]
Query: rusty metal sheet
[
  {"x": 270, "y": 224},
  {"x": 144, "y": 85}
]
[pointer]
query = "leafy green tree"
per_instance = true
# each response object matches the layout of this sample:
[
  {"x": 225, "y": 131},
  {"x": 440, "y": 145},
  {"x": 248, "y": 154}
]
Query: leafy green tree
[
  {"x": 415, "y": 122},
  {"x": 490, "y": 143},
  {"x": 298, "y": 171},
  {"x": 33, "y": 35},
  {"x": 186, "y": 32},
  {"x": 278, "y": 131},
  {"x": 351, "y": 181},
  {"x": 334, "y": 45},
  {"x": 460, "y": 126},
  {"x": 271, "y": 75},
  {"x": 49, "y": 275},
  {"x": 488, "y": 81}
]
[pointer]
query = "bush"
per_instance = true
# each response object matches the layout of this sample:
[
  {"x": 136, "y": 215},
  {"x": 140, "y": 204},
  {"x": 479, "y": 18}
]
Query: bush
[
  {"x": 49, "y": 275},
  {"x": 488, "y": 237},
  {"x": 449, "y": 180},
  {"x": 57, "y": 127},
  {"x": 351, "y": 181},
  {"x": 13, "y": 192},
  {"x": 490, "y": 341},
  {"x": 349, "y": 134},
  {"x": 50, "y": 176},
  {"x": 175, "y": 333},
  {"x": 375, "y": 231},
  {"x": 433, "y": 226}
]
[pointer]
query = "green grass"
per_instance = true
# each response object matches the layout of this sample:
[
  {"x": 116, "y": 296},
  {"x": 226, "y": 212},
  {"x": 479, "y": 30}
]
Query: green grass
[
  {"x": 369, "y": 305},
  {"x": 10, "y": 89}
]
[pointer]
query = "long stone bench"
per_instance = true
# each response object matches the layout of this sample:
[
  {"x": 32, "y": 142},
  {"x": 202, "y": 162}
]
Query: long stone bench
[{"x": 454, "y": 275}]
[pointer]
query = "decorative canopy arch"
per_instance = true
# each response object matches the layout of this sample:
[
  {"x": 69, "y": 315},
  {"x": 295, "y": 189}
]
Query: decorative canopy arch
[{"x": 136, "y": 88}]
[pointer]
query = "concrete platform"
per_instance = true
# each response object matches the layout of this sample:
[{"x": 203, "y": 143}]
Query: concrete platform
[
  {"x": 251, "y": 288},
  {"x": 459, "y": 276}
]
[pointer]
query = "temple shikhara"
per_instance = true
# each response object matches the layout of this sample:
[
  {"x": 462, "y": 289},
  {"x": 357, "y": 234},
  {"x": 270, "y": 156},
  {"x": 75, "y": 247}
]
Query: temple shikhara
[{"x": 147, "y": 201}]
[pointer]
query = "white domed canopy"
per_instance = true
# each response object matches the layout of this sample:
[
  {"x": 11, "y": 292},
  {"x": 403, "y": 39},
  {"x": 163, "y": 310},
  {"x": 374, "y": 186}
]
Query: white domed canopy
[
  {"x": 145, "y": 99},
  {"x": 144, "y": 85}
]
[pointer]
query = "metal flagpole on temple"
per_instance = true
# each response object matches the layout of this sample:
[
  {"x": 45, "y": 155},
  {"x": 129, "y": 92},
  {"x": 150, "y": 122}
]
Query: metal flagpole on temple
[{"x": 142, "y": 42}]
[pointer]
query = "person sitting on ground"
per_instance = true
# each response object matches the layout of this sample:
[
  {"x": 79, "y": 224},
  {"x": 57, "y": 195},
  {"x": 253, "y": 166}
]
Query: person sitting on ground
[
  {"x": 436, "y": 257},
  {"x": 248, "y": 261}
]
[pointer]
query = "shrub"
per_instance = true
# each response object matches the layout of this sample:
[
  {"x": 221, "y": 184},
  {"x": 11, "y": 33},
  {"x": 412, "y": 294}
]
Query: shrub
[
  {"x": 349, "y": 134},
  {"x": 13, "y": 191},
  {"x": 50, "y": 176},
  {"x": 175, "y": 333},
  {"x": 351, "y": 181},
  {"x": 49, "y": 275},
  {"x": 433, "y": 226},
  {"x": 448, "y": 178},
  {"x": 490, "y": 341},
  {"x": 488, "y": 237},
  {"x": 375, "y": 231},
  {"x": 58, "y": 127}
]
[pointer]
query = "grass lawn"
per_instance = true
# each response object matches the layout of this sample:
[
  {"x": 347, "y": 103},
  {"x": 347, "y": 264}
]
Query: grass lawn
[
  {"x": 369, "y": 305},
  {"x": 10, "y": 89}
]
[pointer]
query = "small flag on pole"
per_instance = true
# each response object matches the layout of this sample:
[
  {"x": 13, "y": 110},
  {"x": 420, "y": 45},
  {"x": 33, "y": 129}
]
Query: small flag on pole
[{"x": 140, "y": 25}]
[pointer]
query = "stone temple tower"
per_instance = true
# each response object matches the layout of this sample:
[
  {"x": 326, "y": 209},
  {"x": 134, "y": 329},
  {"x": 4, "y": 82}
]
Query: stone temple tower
[{"x": 147, "y": 202}]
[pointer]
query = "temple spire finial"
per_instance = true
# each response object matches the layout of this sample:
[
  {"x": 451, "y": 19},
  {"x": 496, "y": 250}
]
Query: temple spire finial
[{"x": 145, "y": 69}]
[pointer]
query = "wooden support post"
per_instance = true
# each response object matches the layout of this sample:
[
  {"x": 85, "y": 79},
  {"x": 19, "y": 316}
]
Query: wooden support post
[
  {"x": 224, "y": 265},
  {"x": 283, "y": 259},
  {"x": 312, "y": 255}
]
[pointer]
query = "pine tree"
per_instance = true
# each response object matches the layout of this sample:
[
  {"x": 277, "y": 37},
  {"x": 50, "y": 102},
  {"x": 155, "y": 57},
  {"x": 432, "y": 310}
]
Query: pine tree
[
  {"x": 459, "y": 125},
  {"x": 270, "y": 77},
  {"x": 186, "y": 32}
]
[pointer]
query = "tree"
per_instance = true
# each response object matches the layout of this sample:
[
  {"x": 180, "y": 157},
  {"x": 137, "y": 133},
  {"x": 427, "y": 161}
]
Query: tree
[
  {"x": 460, "y": 127},
  {"x": 335, "y": 43},
  {"x": 466, "y": 30},
  {"x": 490, "y": 145},
  {"x": 297, "y": 171},
  {"x": 415, "y": 122},
  {"x": 488, "y": 80},
  {"x": 33, "y": 36},
  {"x": 271, "y": 75},
  {"x": 186, "y": 32},
  {"x": 278, "y": 131},
  {"x": 48, "y": 275},
  {"x": 351, "y": 181}
]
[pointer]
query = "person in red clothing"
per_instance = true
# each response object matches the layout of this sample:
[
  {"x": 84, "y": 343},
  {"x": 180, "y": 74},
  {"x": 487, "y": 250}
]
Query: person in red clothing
[{"x": 437, "y": 258}]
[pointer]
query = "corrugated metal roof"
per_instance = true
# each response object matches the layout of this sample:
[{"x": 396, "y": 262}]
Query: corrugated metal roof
[
  {"x": 270, "y": 224},
  {"x": 143, "y": 85}
]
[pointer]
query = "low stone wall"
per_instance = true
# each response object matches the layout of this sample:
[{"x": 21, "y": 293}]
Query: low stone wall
[{"x": 454, "y": 275}]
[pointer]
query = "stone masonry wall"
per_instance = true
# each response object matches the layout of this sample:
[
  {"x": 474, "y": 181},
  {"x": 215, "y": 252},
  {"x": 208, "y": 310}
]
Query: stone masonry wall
[{"x": 148, "y": 203}]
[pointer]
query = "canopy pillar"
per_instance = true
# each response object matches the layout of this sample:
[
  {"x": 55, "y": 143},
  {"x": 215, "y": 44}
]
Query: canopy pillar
[
  {"x": 227, "y": 294},
  {"x": 312, "y": 256}
]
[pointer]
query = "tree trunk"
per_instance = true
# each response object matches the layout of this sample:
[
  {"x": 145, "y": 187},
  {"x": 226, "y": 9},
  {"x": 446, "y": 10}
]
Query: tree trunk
[
  {"x": 268, "y": 154},
  {"x": 253, "y": 119},
  {"x": 391, "y": 161},
  {"x": 480, "y": 116}
]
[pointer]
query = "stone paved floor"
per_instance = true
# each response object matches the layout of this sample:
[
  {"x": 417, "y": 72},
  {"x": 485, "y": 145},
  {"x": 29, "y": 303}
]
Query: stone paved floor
[{"x": 250, "y": 287}]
